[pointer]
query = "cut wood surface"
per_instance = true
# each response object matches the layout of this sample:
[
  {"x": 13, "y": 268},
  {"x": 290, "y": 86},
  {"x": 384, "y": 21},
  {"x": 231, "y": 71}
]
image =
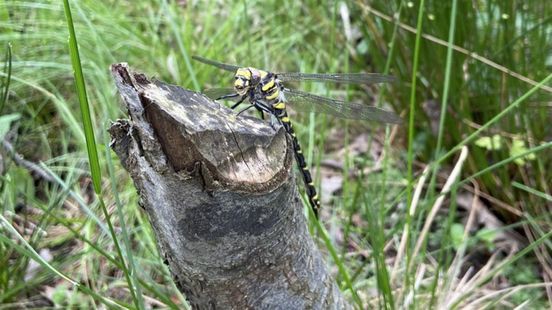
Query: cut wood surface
[{"x": 221, "y": 196}]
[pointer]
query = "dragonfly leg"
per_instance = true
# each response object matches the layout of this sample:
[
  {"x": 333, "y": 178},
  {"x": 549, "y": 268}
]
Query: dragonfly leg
[
  {"x": 245, "y": 109},
  {"x": 227, "y": 96},
  {"x": 261, "y": 113},
  {"x": 237, "y": 103},
  {"x": 263, "y": 109}
]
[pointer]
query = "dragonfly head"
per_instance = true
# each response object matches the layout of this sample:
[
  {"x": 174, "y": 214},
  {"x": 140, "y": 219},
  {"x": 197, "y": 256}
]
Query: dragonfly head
[
  {"x": 247, "y": 78},
  {"x": 242, "y": 81}
]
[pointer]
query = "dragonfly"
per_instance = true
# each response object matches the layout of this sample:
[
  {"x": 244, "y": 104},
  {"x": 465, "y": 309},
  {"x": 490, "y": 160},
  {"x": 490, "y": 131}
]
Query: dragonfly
[{"x": 266, "y": 92}]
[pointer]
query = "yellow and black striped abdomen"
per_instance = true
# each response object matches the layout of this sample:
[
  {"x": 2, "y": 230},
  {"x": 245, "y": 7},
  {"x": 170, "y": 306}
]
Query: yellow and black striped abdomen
[
  {"x": 274, "y": 101},
  {"x": 281, "y": 113}
]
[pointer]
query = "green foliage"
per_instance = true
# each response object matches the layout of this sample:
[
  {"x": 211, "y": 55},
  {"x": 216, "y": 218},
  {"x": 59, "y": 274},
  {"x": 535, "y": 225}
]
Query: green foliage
[
  {"x": 490, "y": 143},
  {"x": 516, "y": 149},
  {"x": 483, "y": 236},
  {"x": 457, "y": 235},
  {"x": 521, "y": 275},
  {"x": 486, "y": 236}
]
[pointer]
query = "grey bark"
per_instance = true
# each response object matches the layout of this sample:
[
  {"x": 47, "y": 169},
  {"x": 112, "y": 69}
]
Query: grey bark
[{"x": 221, "y": 197}]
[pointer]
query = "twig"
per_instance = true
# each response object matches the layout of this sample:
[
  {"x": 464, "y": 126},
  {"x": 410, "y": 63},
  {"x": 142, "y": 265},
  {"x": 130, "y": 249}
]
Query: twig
[{"x": 22, "y": 162}]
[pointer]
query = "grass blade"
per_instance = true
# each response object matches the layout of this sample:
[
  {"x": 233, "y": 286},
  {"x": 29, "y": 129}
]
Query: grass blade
[
  {"x": 6, "y": 81},
  {"x": 532, "y": 191},
  {"x": 410, "y": 156},
  {"x": 83, "y": 101},
  {"x": 91, "y": 144}
]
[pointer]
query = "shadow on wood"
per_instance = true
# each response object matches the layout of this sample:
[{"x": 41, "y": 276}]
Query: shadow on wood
[{"x": 222, "y": 199}]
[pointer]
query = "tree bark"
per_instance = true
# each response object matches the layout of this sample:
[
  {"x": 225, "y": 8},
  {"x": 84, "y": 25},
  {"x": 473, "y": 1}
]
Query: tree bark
[{"x": 221, "y": 197}]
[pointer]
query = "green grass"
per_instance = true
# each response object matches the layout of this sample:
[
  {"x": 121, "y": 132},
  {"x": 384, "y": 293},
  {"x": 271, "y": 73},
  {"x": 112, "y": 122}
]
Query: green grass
[{"x": 467, "y": 71}]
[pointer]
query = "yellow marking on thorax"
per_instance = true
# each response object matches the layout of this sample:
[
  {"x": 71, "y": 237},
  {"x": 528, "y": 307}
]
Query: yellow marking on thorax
[
  {"x": 279, "y": 106},
  {"x": 285, "y": 119},
  {"x": 273, "y": 96},
  {"x": 268, "y": 85}
]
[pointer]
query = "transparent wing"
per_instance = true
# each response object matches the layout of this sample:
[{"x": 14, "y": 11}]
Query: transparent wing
[
  {"x": 217, "y": 64},
  {"x": 352, "y": 78},
  {"x": 302, "y": 101},
  {"x": 216, "y": 93}
]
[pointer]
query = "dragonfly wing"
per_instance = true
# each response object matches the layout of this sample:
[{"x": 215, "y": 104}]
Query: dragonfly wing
[
  {"x": 216, "y": 93},
  {"x": 217, "y": 64},
  {"x": 302, "y": 101},
  {"x": 352, "y": 78}
]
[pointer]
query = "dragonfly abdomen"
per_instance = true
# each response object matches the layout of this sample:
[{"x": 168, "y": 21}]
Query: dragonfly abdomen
[
  {"x": 281, "y": 114},
  {"x": 272, "y": 90}
]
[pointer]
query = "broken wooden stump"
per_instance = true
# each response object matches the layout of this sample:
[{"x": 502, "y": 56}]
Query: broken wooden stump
[{"x": 221, "y": 196}]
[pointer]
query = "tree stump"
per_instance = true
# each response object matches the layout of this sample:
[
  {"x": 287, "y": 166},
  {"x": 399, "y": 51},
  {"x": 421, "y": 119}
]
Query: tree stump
[{"x": 221, "y": 197}]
